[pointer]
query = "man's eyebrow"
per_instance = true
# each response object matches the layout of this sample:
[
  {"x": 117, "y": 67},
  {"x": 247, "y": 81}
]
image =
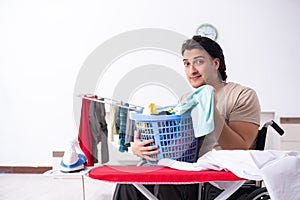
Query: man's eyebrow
[
  {"x": 185, "y": 59},
  {"x": 198, "y": 57}
]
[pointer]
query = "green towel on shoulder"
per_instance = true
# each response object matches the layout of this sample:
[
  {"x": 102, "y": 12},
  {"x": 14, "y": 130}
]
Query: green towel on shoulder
[{"x": 202, "y": 99}]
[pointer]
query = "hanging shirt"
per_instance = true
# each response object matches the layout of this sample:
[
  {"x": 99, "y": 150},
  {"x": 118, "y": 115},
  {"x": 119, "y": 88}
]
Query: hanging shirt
[
  {"x": 114, "y": 111},
  {"x": 122, "y": 120},
  {"x": 99, "y": 131},
  {"x": 84, "y": 135},
  {"x": 130, "y": 128}
]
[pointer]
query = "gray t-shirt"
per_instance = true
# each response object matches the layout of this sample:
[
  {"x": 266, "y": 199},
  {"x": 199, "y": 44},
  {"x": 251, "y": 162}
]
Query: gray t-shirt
[{"x": 235, "y": 103}]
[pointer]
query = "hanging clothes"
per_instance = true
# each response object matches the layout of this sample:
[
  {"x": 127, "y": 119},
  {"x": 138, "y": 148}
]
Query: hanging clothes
[
  {"x": 91, "y": 133},
  {"x": 113, "y": 112},
  {"x": 122, "y": 122},
  {"x": 130, "y": 129},
  {"x": 99, "y": 131},
  {"x": 92, "y": 130},
  {"x": 84, "y": 134}
]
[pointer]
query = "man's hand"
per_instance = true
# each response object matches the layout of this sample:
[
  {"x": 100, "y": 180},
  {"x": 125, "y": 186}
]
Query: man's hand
[{"x": 139, "y": 148}]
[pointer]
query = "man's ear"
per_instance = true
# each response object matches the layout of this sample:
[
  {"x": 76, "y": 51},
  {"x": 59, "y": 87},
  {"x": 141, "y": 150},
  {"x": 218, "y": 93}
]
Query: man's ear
[{"x": 217, "y": 63}]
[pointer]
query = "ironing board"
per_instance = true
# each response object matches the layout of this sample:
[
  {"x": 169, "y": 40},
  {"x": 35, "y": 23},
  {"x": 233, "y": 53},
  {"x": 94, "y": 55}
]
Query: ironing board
[{"x": 139, "y": 175}]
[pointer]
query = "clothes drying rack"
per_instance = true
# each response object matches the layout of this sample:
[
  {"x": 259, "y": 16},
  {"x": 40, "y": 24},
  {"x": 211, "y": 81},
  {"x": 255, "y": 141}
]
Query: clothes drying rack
[{"x": 106, "y": 100}]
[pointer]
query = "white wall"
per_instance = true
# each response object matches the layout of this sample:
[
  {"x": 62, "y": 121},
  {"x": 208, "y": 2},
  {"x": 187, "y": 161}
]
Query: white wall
[{"x": 43, "y": 45}]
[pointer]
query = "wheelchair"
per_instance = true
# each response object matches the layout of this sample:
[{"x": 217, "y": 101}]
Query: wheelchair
[{"x": 251, "y": 190}]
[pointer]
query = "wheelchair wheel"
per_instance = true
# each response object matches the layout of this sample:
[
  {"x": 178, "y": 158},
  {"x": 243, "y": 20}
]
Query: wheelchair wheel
[{"x": 259, "y": 194}]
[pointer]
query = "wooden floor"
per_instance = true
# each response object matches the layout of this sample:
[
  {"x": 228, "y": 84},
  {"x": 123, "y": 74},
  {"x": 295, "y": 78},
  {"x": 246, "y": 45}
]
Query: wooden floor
[{"x": 41, "y": 187}]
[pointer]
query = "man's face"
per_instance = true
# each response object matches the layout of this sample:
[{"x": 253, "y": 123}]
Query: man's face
[{"x": 199, "y": 67}]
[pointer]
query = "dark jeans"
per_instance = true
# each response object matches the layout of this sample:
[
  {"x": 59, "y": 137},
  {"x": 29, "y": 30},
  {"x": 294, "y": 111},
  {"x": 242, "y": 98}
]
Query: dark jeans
[{"x": 162, "y": 192}]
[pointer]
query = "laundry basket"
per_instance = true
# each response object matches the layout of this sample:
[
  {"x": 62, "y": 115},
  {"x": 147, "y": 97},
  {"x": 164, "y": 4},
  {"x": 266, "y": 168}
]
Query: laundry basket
[{"x": 173, "y": 134}]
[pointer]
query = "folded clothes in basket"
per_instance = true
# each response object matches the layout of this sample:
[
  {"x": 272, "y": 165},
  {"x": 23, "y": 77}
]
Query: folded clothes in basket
[
  {"x": 150, "y": 109},
  {"x": 202, "y": 99},
  {"x": 153, "y": 109}
]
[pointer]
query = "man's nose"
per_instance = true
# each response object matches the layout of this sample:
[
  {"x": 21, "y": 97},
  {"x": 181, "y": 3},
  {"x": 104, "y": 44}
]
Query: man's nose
[{"x": 192, "y": 69}]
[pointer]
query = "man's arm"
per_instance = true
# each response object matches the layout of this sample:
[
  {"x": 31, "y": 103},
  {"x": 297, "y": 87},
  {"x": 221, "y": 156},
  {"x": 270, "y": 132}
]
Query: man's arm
[
  {"x": 235, "y": 134},
  {"x": 238, "y": 135}
]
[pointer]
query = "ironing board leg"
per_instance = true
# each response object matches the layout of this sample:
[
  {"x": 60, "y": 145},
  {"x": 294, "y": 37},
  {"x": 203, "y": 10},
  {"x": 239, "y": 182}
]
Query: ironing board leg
[
  {"x": 200, "y": 191},
  {"x": 229, "y": 190},
  {"x": 83, "y": 188},
  {"x": 145, "y": 191}
]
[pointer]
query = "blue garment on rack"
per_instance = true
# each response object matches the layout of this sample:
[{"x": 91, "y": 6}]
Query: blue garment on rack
[
  {"x": 201, "y": 99},
  {"x": 122, "y": 122}
]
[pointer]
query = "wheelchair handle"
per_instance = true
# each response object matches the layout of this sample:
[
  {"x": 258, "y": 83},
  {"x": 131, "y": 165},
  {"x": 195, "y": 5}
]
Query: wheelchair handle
[{"x": 275, "y": 126}]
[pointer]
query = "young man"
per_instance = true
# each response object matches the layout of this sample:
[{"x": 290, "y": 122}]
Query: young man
[{"x": 236, "y": 114}]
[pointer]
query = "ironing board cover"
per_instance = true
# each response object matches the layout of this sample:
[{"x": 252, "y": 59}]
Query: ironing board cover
[{"x": 157, "y": 174}]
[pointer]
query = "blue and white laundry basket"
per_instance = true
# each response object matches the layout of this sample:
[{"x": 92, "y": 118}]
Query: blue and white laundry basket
[{"x": 173, "y": 134}]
